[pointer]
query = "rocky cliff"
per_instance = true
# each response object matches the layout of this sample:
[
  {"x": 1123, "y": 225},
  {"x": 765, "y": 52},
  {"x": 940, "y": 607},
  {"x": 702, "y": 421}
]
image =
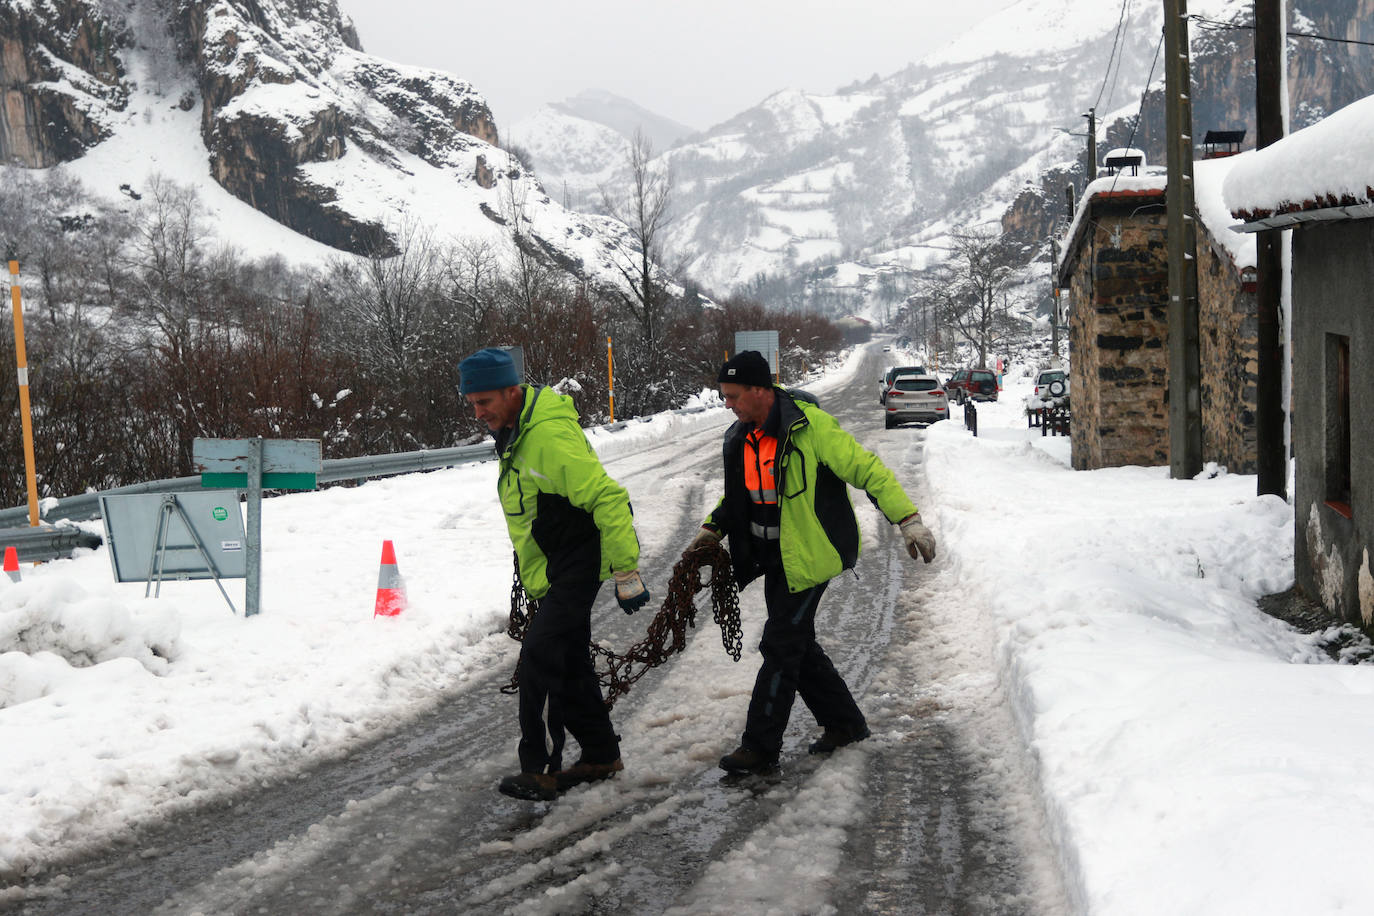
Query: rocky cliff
[
  {"x": 60, "y": 77},
  {"x": 293, "y": 119}
]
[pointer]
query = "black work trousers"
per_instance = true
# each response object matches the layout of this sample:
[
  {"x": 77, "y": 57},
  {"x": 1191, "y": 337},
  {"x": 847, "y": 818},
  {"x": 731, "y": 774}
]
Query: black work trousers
[
  {"x": 558, "y": 684},
  {"x": 794, "y": 663}
]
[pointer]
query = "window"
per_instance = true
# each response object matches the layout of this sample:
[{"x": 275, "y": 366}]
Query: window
[{"x": 1338, "y": 423}]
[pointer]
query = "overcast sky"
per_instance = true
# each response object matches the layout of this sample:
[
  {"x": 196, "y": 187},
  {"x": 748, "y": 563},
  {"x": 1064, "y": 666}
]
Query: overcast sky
[{"x": 698, "y": 62}]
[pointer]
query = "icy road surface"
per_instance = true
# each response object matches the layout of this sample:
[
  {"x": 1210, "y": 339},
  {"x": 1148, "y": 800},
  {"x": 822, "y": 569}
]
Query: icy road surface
[{"x": 936, "y": 813}]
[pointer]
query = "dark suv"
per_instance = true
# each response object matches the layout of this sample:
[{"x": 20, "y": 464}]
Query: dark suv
[
  {"x": 885, "y": 380},
  {"x": 978, "y": 384}
]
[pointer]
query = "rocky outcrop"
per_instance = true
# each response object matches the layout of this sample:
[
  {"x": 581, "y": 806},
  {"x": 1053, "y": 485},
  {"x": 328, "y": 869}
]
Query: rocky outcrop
[
  {"x": 59, "y": 78},
  {"x": 1322, "y": 76},
  {"x": 271, "y": 88}
]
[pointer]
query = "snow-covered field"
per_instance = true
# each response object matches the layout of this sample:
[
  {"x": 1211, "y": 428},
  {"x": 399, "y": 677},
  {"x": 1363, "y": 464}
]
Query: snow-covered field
[{"x": 1194, "y": 755}]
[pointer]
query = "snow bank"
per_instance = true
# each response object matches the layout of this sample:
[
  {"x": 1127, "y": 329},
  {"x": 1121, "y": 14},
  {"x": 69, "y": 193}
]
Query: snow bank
[{"x": 1188, "y": 744}]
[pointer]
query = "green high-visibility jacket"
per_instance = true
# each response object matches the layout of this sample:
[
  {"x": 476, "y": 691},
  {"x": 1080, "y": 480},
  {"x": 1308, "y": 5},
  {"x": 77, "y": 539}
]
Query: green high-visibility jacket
[
  {"x": 818, "y": 534},
  {"x": 566, "y": 517}
]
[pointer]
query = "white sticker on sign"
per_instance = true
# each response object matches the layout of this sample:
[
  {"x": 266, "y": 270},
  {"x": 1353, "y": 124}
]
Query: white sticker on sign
[{"x": 230, "y": 545}]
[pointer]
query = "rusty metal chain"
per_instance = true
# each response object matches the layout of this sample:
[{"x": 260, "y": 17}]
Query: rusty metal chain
[{"x": 667, "y": 632}]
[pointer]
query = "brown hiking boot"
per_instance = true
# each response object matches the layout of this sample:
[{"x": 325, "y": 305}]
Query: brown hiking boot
[
  {"x": 581, "y": 772},
  {"x": 530, "y": 786},
  {"x": 834, "y": 738},
  {"x": 744, "y": 760}
]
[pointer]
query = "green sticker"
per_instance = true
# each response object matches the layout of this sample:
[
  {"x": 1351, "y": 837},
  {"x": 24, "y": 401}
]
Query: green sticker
[{"x": 220, "y": 513}]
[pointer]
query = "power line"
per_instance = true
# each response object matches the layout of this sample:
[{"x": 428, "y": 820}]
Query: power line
[
  {"x": 1218, "y": 26},
  {"x": 1140, "y": 113},
  {"x": 1116, "y": 43}
]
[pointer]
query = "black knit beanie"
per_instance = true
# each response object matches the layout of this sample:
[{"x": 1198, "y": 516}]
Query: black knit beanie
[{"x": 747, "y": 367}]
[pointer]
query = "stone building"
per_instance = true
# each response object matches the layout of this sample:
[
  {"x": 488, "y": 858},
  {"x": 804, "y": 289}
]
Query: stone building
[
  {"x": 1115, "y": 268},
  {"x": 1320, "y": 182}
]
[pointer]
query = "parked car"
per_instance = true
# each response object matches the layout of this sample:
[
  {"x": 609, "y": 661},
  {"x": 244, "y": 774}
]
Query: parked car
[
  {"x": 1051, "y": 384},
  {"x": 915, "y": 399},
  {"x": 976, "y": 384},
  {"x": 885, "y": 380}
]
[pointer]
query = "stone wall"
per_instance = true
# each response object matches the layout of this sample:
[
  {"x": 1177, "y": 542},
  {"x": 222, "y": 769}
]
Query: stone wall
[
  {"x": 1228, "y": 345},
  {"x": 1118, "y": 328}
]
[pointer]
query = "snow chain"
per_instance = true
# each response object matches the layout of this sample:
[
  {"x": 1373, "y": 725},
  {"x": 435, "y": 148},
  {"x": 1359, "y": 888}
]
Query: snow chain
[{"x": 667, "y": 632}]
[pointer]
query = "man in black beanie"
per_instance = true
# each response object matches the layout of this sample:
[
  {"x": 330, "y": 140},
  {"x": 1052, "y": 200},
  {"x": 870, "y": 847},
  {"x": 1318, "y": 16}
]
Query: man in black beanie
[{"x": 787, "y": 515}]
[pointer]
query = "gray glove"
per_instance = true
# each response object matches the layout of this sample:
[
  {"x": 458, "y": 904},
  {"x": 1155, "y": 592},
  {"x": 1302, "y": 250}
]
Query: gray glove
[
  {"x": 919, "y": 541},
  {"x": 630, "y": 592},
  {"x": 705, "y": 538}
]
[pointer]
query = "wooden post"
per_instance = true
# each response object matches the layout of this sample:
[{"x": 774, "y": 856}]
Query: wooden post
[
  {"x": 610, "y": 376},
  {"x": 25, "y": 410},
  {"x": 1271, "y": 464},
  {"x": 1185, "y": 370}
]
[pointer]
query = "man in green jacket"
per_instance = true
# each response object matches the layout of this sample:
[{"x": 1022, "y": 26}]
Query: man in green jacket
[
  {"x": 787, "y": 514},
  {"x": 572, "y": 528}
]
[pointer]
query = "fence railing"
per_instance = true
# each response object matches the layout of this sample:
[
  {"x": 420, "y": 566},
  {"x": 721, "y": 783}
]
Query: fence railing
[
  {"x": 54, "y": 541},
  {"x": 87, "y": 505}
]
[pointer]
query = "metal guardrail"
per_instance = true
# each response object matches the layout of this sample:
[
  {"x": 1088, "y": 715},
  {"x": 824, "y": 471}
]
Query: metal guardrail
[
  {"x": 51, "y": 542},
  {"x": 87, "y": 505},
  {"x": 34, "y": 545}
]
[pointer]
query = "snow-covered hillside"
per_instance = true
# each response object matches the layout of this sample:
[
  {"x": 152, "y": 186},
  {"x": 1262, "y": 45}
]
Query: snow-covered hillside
[
  {"x": 869, "y": 170},
  {"x": 875, "y": 175},
  {"x": 297, "y": 142},
  {"x": 579, "y": 144}
]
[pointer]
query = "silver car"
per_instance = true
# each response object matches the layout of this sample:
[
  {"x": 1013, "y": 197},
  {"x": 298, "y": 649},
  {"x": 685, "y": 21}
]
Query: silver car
[{"x": 915, "y": 399}]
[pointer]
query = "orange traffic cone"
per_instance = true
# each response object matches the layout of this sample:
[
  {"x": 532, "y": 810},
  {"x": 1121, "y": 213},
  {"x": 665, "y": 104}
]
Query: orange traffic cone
[
  {"x": 12, "y": 564},
  {"x": 391, "y": 589}
]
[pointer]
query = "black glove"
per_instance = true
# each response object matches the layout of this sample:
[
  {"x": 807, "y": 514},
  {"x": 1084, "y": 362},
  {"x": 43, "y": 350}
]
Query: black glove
[{"x": 630, "y": 592}]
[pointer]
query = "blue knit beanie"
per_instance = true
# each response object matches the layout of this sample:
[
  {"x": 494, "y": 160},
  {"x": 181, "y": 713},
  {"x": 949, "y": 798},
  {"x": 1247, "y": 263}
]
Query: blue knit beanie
[{"x": 487, "y": 370}]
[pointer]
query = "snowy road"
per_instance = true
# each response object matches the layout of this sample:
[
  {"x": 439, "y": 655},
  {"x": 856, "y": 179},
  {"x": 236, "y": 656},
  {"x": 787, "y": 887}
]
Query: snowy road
[{"x": 937, "y": 813}]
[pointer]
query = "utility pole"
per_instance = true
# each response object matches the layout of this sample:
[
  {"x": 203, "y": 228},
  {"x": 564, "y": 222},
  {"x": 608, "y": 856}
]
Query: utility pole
[
  {"x": 1054, "y": 292},
  {"x": 1271, "y": 458},
  {"x": 1092, "y": 144},
  {"x": 1185, "y": 370}
]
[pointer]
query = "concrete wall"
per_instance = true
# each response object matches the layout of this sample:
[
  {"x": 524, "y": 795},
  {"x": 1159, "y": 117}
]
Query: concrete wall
[{"x": 1333, "y": 293}]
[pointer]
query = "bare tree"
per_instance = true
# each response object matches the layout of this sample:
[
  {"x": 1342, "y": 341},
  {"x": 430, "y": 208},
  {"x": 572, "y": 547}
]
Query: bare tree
[
  {"x": 972, "y": 292},
  {"x": 385, "y": 300},
  {"x": 643, "y": 207}
]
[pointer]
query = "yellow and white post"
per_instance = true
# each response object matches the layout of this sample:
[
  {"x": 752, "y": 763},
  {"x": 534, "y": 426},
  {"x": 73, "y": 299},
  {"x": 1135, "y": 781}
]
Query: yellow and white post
[
  {"x": 610, "y": 376},
  {"x": 25, "y": 413}
]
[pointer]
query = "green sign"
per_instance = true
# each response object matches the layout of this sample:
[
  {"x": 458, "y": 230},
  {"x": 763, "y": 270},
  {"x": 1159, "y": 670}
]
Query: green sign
[
  {"x": 270, "y": 481},
  {"x": 219, "y": 513},
  {"x": 287, "y": 464}
]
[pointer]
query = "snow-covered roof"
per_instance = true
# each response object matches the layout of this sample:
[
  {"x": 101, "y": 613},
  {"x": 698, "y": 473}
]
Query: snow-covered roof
[
  {"x": 1108, "y": 187},
  {"x": 1325, "y": 171},
  {"x": 1209, "y": 175}
]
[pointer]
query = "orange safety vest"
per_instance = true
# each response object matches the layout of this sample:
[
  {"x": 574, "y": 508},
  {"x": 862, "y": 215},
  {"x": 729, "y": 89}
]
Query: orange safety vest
[{"x": 760, "y": 453}]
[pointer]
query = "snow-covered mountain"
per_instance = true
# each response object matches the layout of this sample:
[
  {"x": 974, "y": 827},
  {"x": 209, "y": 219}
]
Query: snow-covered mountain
[
  {"x": 874, "y": 169},
  {"x": 296, "y": 140},
  {"x": 840, "y": 187},
  {"x": 578, "y": 144}
]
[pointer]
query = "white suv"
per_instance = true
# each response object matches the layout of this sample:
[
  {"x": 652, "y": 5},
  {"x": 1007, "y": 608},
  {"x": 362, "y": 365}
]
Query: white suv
[{"x": 1051, "y": 385}]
